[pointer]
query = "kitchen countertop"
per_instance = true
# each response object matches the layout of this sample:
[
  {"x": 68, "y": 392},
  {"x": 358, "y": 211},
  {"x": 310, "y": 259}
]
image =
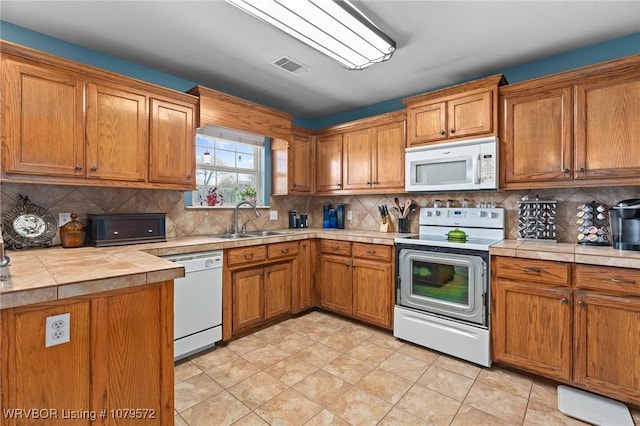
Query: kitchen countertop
[
  {"x": 568, "y": 252},
  {"x": 40, "y": 275}
]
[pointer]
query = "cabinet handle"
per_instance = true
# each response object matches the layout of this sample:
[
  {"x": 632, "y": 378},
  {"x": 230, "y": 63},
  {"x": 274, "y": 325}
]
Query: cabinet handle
[
  {"x": 442, "y": 132},
  {"x": 334, "y": 247},
  {"x": 284, "y": 250},
  {"x": 564, "y": 300},
  {"x": 116, "y": 233},
  {"x": 78, "y": 167},
  {"x": 565, "y": 171},
  {"x": 619, "y": 281},
  {"x": 375, "y": 182},
  {"x": 94, "y": 168},
  {"x": 581, "y": 303},
  {"x": 338, "y": 185},
  {"x": 248, "y": 255},
  {"x": 293, "y": 184},
  {"x": 581, "y": 169},
  {"x": 150, "y": 231},
  {"x": 304, "y": 245},
  {"x": 531, "y": 270},
  {"x": 347, "y": 264},
  {"x": 369, "y": 183},
  {"x": 452, "y": 130},
  {"x": 188, "y": 176},
  {"x": 371, "y": 252}
]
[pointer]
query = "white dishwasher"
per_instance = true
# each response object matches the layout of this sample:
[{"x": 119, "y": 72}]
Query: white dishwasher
[{"x": 197, "y": 302}]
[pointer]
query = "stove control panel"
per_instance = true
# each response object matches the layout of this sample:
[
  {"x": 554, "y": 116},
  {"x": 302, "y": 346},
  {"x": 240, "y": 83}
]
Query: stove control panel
[{"x": 468, "y": 217}]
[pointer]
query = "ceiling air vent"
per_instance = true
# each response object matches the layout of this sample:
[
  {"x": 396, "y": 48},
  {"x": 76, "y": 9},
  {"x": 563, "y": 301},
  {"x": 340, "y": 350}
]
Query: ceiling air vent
[{"x": 290, "y": 65}]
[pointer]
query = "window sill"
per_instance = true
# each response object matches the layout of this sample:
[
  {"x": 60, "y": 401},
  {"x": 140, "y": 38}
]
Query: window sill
[{"x": 223, "y": 207}]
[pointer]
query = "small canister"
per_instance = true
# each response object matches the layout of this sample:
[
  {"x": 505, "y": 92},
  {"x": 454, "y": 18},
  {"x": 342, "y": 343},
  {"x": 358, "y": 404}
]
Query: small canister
[
  {"x": 72, "y": 234},
  {"x": 292, "y": 218}
]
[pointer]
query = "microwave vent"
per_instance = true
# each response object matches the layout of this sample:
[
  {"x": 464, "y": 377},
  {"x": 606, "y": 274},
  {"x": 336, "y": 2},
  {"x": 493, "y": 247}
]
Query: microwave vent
[{"x": 290, "y": 65}]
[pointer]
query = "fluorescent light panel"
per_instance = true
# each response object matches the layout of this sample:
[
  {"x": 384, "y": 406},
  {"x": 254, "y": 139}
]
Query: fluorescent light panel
[{"x": 335, "y": 28}]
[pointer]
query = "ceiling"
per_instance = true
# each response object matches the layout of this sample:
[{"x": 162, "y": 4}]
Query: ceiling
[{"x": 439, "y": 43}]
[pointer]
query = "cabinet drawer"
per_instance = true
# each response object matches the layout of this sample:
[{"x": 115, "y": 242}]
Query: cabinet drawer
[
  {"x": 278, "y": 250},
  {"x": 239, "y": 256},
  {"x": 342, "y": 248},
  {"x": 537, "y": 271},
  {"x": 620, "y": 280},
  {"x": 372, "y": 251}
]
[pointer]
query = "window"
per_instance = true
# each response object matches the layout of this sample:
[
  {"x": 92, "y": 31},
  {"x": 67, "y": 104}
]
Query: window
[{"x": 230, "y": 167}]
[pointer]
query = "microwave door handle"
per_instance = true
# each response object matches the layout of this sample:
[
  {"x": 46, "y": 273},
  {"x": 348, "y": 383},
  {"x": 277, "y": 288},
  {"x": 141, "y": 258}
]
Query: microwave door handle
[{"x": 478, "y": 171}]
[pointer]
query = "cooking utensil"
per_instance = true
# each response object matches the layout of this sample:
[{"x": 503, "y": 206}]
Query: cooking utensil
[{"x": 405, "y": 209}]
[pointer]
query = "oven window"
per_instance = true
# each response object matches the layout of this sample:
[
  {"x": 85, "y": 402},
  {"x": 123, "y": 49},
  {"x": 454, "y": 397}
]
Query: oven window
[
  {"x": 442, "y": 173},
  {"x": 440, "y": 281}
]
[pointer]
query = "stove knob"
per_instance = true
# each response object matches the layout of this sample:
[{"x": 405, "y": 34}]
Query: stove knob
[
  {"x": 481, "y": 213},
  {"x": 428, "y": 214},
  {"x": 437, "y": 213},
  {"x": 494, "y": 215}
]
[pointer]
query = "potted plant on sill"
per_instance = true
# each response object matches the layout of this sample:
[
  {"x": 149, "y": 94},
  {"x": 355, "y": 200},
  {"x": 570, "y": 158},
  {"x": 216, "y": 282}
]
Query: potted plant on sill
[{"x": 247, "y": 193}]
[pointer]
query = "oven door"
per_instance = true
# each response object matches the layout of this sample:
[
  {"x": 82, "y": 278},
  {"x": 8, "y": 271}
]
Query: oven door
[{"x": 447, "y": 283}]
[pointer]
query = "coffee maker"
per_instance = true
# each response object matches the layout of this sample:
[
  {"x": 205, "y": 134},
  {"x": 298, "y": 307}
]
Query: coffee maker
[{"x": 625, "y": 224}]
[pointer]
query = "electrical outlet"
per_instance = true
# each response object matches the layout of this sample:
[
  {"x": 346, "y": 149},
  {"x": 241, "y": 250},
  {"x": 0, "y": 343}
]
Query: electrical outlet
[
  {"x": 273, "y": 214},
  {"x": 57, "y": 330},
  {"x": 64, "y": 218},
  {"x": 349, "y": 215}
]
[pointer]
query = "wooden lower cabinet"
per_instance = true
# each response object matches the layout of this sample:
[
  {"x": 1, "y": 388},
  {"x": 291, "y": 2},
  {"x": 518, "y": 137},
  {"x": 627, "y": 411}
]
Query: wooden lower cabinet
[
  {"x": 303, "y": 290},
  {"x": 336, "y": 288},
  {"x": 576, "y": 324},
  {"x": 607, "y": 344},
  {"x": 359, "y": 284},
  {"x": 248, "y": 306},
  {"x": 277, "y": 290},
  {"x": 522, "y": 334},
  {"x": 120, "y": 356}
]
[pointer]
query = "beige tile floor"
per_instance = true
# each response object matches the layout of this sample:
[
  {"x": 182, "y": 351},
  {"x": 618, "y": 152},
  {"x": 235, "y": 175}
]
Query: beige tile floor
[{"x": 320, "y": 369}]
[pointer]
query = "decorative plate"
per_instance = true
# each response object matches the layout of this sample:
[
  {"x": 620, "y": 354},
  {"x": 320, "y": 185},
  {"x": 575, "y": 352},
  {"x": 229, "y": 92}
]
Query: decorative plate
[{"x": 28, "y": 225}]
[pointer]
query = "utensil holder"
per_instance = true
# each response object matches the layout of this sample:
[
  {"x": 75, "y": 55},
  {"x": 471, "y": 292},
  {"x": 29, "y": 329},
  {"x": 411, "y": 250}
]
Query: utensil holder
[{"x": 403, "y": 225}]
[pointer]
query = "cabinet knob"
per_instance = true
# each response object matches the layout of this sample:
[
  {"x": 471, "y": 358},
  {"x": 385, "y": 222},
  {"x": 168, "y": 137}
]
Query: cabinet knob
[
  {"x": 452, "y": 130},
  {"x": 565, "y": 171},
  {"x": 371, "y": 252},
  {"x": 188, "y": 176},
  {"x": 248, "y": 255},
  {"x": 581, "y": 303},
  {"x": 581, "y": 169},
  {"x": 293, "y": 184},
  {"x": 442, "y": 132},
  {"x": 564, "y": 300},
  {"x": 338, "y": 184},
  {"x": 369, "y": 183},
  {"x": 150, "y": 231},
  {"x": 94, "y": 168},
  {"x": 284, "y": 250},
  {"x": 78, "y": 167}
]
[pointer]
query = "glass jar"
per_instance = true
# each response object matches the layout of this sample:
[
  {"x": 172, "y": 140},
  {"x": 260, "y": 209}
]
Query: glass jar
[{"x": 72, "y": 233}]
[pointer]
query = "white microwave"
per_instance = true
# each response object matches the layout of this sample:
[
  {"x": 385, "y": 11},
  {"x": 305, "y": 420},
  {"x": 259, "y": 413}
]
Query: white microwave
[{"x": 467, "y": 165}]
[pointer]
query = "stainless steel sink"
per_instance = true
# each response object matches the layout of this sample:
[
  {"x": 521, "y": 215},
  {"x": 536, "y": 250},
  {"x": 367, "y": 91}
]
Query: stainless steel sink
[
  {"x": 248, "y": 235},
  {"x": 231, "y": 236},
  {"x": 263, "y": 233}
]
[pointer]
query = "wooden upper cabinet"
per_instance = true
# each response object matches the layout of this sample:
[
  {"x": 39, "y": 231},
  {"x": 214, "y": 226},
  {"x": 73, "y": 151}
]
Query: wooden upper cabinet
[
  {"x": 329, "y": 162},
  {"x": 369, "y": 154},
  {"x": 607, "y": 128},
  {"x": 172, "y": 143},
  {"x": 461, "y": 111},
  {"x": 279, "y": 167},
  {"x": 356, "y": 148},
  {"x": 68, "y": 123},
  {"x": 574, "y": 128},
  {"x": 43, "y": 120},
  {"x": 301, "y": 162},
  {"x": 537, "y": 141},
  {"x": 117, "y": 147},
  {"x": 387, "y": 156}
]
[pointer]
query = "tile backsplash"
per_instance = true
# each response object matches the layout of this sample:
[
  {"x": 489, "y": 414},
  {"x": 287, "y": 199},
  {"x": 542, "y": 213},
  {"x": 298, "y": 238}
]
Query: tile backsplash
[{"x": 183, "y": 221}]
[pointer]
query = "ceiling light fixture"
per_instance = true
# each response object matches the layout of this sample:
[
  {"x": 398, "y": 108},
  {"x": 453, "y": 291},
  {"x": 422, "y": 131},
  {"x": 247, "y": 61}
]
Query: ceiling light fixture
[{"x": 336, "y": 28}]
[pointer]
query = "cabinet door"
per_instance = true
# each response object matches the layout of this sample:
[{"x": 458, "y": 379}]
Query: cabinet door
[
  {"x": 134, "y": 357},
  {"x": 303, "y": 288},
  {"x": 536, "y": 141},
  {"x": 329, "y": 163},
  {"x": 336, "y": 292},
  {"x": 277, "y": 290},
  {"x": 427, "y": 123},
  {"x": 356, "y": 148},
  {"x": 248, "y": 306},
  {"x": 279, "y": 168},
  {"x": 172, "y": 144},
  {"x": 387, "y": 156},
  {"x": 607, "y": 345},
  {"x": 43, "y": 120},
  {"x": 532, "y": 328},
  {"x": 607, "y": 128},
  {"x": 39, "y": 377},
  {"x": 117, "y": 134},
  {"x": 372, "y": 292},
  {"x": 470, "y": 115},
  {"x": 301, "y": 163}
]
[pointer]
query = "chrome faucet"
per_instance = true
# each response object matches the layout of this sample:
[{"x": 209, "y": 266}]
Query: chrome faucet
[{"x": 235, "y": 215}]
